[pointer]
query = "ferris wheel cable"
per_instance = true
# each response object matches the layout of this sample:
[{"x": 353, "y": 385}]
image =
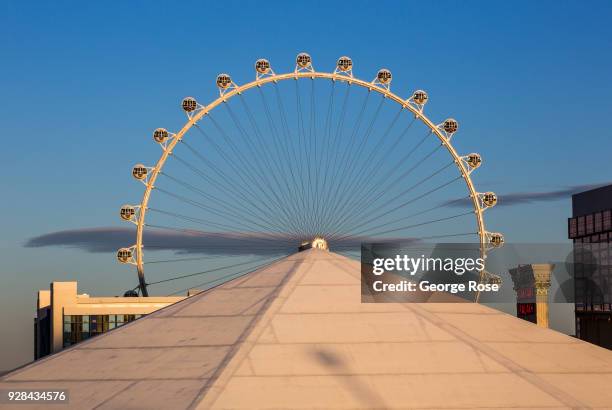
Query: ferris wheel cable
[
  {"x": 252, "y": 172},
  {"x": 347, "y": 190},
  {"x": 244, "y": 235},
  {"x": 301, "y": 132},
  {"x": 240, "y": 227},
  {"x": 263, "y": 151},
  {"x": 185, "y": 259},
  {"x": 189, "y": 275},
  {"x": 326, "y": 134},
  {"x": 235, "y": 275},
  {"x": 417, "y": 184},
  {"x": 201, "y": 174},
  {"x": 336, "y": 179},
  {"x": 287, "y": 139},
  {"x": 280, "y": 142},
  {"x": 442, "y": 205},
  {"x": 419, "y": 238},
  {"x": 229, "y": 251},
  {"x": 273, "y": 236},
  {"x": 409, "y": 189},
  {"x": 395, "y": 168},
  {"x": 356, "y": 182},
  {"x": 407, "y": 227},
  {"x": 246, "y": 186},
  {"x": 239, "y": 214},
  {"x": 304, "y": 152},
  {"x": 264, "y": 166},
  {"x": 333, "y": 146},
  {"x": 312, "y": 134},
  {"x": 386, "y": 188},
  {"x": 375, "y": 169}
]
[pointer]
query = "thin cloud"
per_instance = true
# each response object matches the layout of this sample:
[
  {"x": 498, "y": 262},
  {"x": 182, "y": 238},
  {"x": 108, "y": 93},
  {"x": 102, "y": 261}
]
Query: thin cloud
[
  {"x": 520, "y": 198},
  {"x": 109, "y": 239}
]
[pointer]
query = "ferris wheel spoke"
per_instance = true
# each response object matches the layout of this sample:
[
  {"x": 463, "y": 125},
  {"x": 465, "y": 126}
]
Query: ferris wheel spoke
[
  {"x": 368, "y": 184},
  {"x": 189, "y": 259},
  {"x": 190, "y": 275},
  {"x": 332, "y": 146},
  {"x": 201, "y": 206},
  {"x": 379, "y": 192},
  {"x": 245, "y": 186},
  {"x": 257, "y": 221},
  {"x": 349, "y": 191},
  {"x": 355, "y": 184},
  {"x": 250, "y": 201},
  {"x": 404, "y": 204},
  {"x": 419, "y": 213},
  {"x": 288, "y": 143},
  {"x": 252, "y": 174},
  {"x": 318, "y": 205},
  {"x": 239, "y": 212},
  {"x": 264, "y": 167},
  {"x": 339, "y": 171},
  {"x": 240, "y": 242},
  {"x": 283, "y": 158},
  {"x": 304, "y": 156},
  {"x": 230, "y": 276},
  {"x": 274, "y": 163},
  {"x": 373, "y": 231}
]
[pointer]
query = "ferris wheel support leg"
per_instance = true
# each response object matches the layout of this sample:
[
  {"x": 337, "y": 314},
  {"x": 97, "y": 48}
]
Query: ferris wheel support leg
[{"x": 142, "y": 283}]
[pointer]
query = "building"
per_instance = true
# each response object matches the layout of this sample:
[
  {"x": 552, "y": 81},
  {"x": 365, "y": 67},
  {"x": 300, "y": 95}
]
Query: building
[
  {"x": 63, "y": 317},
  {"x": 590, "y": 228},
  {"x": 531, "y": 284}
]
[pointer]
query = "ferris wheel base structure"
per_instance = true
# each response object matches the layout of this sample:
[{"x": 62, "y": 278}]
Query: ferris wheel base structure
[{"x": 295, "y": 335}]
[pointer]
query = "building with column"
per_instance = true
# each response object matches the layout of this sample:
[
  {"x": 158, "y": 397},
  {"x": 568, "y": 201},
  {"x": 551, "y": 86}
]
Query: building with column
[
  {"x": 531, "y": 284},
  {"x": 64, "y": 318},
  {"x": 590, "y": 229}
]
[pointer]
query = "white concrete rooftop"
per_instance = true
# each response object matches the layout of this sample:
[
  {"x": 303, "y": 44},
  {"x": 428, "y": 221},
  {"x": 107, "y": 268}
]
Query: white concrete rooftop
[{"x": 296, "y": 335}]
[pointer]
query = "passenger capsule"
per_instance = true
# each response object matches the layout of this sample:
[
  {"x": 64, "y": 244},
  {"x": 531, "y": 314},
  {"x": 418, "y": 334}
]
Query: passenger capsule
[
  {"x": 420, "y": 97},
  {"x": 139, "y": 172},
  {"x": 493, "y": 279},
  {"x": 384, "y": 76},
  {"x": 450, "y": 125},
  {"x": 262, "y": 66},
  {"x": 127, "y": 212},
  {"x": 496, "y": 239},
  {"x": 474, "y": 160},
  {"x": 489, "y": 199},
  {"x": 124, "y": 255},
  {"x": 189, "y": 104},
  {"x": 344, "y": 63},
  {"x": 303, "y": 60},
  {"x": 224, "y": 81},
  {"x": 160, "y": 135}
]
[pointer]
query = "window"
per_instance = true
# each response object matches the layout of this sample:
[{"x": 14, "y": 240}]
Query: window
[
  {"x": 607, "y": 220},
  {"x": 589, "y": 224},
  {"x": 598, "y": 222},
  {"x": 580, "y": 225},
  {"x": 81, "y": 327},
  {"x": 572, "y": 228}
]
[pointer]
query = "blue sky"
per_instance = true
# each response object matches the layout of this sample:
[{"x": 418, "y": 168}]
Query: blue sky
[{"x": 84, "y": 84}]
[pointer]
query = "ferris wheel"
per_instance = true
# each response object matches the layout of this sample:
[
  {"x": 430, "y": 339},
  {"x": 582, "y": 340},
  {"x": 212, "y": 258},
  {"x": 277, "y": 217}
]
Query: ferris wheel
[{"x": 304, "y": 157}]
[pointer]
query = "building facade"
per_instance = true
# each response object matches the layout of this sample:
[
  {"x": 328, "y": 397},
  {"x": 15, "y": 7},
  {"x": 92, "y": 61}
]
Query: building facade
[
  {"x": 531, "y": 284},
  {"x": 590, "y": 228},
  {"x": 64, "y": 318}
]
